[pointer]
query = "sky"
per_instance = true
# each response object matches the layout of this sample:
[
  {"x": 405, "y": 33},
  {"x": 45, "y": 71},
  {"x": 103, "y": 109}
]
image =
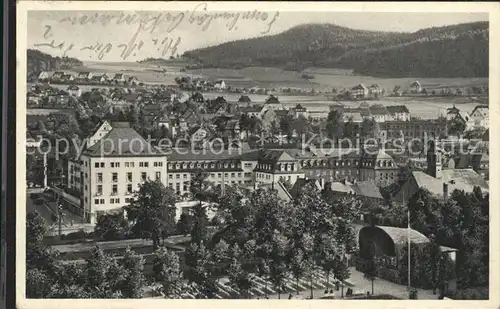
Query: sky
[{"x": 117, "y": 36}]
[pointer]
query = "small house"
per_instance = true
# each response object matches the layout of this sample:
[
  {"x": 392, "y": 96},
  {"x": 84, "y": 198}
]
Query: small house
[
  {"x": 84, "y": 76},
  {"x": 119, "y": 78},
  {"x": 415, "y": 87},
  {"x": 220, "y": 84},
  {"x": 359, "y": 91},
  {"x": 74, "y": 90}
]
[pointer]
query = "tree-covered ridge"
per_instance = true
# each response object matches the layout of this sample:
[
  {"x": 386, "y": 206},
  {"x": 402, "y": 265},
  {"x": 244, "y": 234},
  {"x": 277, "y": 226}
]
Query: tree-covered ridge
[
  {"x": 450, "y": 51},
  {"x": 39, "y": 61}
]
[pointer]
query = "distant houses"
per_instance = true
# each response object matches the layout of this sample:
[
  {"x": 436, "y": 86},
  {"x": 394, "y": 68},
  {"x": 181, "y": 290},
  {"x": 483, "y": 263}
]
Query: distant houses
[{"x": 87, "y": 78}]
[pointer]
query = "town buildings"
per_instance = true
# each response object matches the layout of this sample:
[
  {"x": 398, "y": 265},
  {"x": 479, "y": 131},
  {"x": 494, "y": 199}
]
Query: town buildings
[
  {"x": 480, "y": 116},
  {"x": 416, "y": 129}
]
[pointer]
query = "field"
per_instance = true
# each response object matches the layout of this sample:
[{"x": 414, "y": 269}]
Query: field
[{"x": 323, "y": 79}]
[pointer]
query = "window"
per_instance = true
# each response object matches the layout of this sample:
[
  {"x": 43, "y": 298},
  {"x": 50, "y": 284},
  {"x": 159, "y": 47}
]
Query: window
[
  {"x": 102, "y": 201},
  {"x": 225, "y": 174},
  {"x": 248, "y": 174},
  {"x": 143, "y": 176},
  {"x": 184, "y": 176},
  {"x": 132, "y": 164},
  {"x": 129, "y": 177},
  {"x": 114, "y": 190},
  {"x": 115, "y": 177},
  {"x": 219, "y": 175},
  {"x": 141, "y": 164},
  {"x": 117, "y": 164},
  {"x": 158, "y": 175},
  {"x": 99, "y": 177},
  {"x": 102, "y": 164},
  {"x": 129, "y": 188},
  {"x": 128, "y": 200},
  {"x": 170, "y": 176},
  {"x": 99, "y": 190},
  {"x": 127, "y": 164},
  {"x": 112, "y": 164},
  {"x": 248, "y": 165},
  {"x": 96, "y": 201},
  {"x": 178, "y": 176},
  {"x": 96, "y": 164},
  {"x": 239, "y": 174},
  {"x": 146, "y": 164},
  {"x": 232, "y": 174},
  {"x": 184, "y": 187}
]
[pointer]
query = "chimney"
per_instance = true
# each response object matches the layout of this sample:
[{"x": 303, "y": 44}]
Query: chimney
[{"x": 445, "y": 191}]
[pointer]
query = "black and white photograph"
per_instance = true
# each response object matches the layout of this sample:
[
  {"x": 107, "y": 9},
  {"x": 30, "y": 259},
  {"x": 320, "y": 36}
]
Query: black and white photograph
[{"x": 190, "y": 151}]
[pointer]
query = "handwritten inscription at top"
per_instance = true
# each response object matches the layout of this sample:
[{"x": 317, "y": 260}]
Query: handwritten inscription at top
[{"x": 160, "y": 23}]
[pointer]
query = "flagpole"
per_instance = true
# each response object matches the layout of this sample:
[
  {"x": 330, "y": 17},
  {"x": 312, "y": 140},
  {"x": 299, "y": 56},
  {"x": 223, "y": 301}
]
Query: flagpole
[{"x": 409, "y": 260}]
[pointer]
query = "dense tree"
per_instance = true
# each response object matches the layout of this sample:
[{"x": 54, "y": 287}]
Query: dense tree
[
  {"x": 371, "y": 270},
  {"x": 152, "y": 210},
  {"x": 111, "y": 226},
  {"x": 335, "y": 124},
  {"x": 168, "y": 272},
  {"x": 104, "y": 276},
  {"x": 185, "y": 223},
  {"x": 134, "y": 281},
  {"x": 456, "y": 126},
  {"x": 341, "y": 272},
  {"x": 237, "y": 274}
]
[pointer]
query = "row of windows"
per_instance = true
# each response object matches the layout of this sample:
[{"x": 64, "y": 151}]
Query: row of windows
[
  {"x": 127, "y": 164},
  {"x": 263, "y": 176},
  {"x": 114, "y": 189},
  {"x": 205, "y": 165},
  {"x": 114, "y": 176},
  {"x": 212, "y": 175},
  {"x": 111, "y": 201}
]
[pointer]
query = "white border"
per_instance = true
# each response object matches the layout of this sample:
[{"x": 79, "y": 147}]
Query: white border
[{"x": 494, "y": 81}]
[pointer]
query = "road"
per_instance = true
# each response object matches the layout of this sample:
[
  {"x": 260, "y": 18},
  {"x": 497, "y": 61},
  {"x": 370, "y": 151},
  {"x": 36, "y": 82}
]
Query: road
[{"x": 46, "y": 212}]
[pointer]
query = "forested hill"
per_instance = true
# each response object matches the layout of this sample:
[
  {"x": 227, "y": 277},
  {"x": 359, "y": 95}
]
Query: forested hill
[
  {"x": 450, "y": 51},
  {"x": 39, "y": 61}
]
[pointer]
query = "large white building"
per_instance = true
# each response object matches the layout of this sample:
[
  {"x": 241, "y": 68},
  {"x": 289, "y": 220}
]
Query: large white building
[{"x": 112, "y": 168}]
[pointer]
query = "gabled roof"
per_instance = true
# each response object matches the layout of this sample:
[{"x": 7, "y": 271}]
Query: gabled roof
[
  {"x": 480, "y": 107},
  {"x": 415, "y": 84},
  {"x": 359, "y": 87},
  {"x": 73, "y": 87},
  {"x": 367, "y": 189},
  {"x": 393, "y": 109},
  {"x": 118, "y": 76},
  {"x": 244, "y": 99},
  {"x": 272, "y": 99},
  {"x": 276, "y": 155},
  {"x": 83, "y": 74},
  {"x": 122, "y": 141},
  {"x": 379, "y": 111}
]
